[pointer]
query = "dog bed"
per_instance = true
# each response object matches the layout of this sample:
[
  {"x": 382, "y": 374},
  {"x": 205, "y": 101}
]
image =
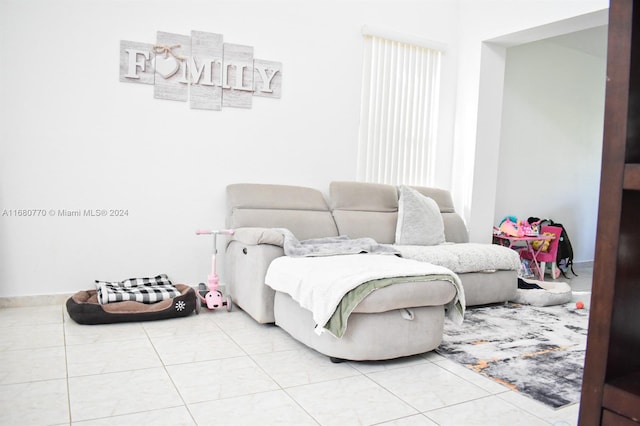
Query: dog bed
[
  {"x": 83, "y": 308},
  {"x": 542, "y": 293}
]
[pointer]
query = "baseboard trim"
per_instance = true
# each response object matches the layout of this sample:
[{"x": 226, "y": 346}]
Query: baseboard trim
[{"x": 39, "y": 300}]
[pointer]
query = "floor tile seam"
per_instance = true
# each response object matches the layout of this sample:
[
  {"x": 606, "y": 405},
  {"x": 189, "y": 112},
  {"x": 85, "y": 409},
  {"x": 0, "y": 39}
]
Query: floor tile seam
[
  {"x": 130, "y": 370},
  {"x": 488, "y": 394},
  {"x": 251, "y": 357},
  {"x": 436, "y": 365},
  {"x": 234, "y": 340},
  {"x": 13, "y": 326},
  {"x": 291, "y": 398},
  {"x": 311, "y": 416},
  {"x": 166, "y": 371},
  {"x": 531, "y": 412},
  {"x": 206, "y": 322},
  {"x": 103, "y": 341},
  {"x": 478, "y": 374},
  {"x": 396, "y": 367},
  {"x": 61, "y": 379},
  {"x": 73, "y": 378},
  {"x": 357, "y": 372},
  {"x": 201, "y": 361},
  {"x": 417, "y": 411},
  {"x": 217, "y": 323},
  {"x": 26, "y": 382},
  {"x": 115, "y": 416},
  {"x": 230, "y": 397},
  {"x": 66, "y": 368},
  {"x": 288, "y": 388},
  {"x": 257, "y": 353},
  {"x": 183, "y": 334},
  {"x": 384, "y": 422},
  {"x": 479, "y": 398},
  {"x": 10, "y": 350}
]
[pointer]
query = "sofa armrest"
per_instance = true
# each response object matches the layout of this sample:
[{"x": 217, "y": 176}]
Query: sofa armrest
[
  {"x": 247, "y": 258},
  {"x": 256, "y": 236}
]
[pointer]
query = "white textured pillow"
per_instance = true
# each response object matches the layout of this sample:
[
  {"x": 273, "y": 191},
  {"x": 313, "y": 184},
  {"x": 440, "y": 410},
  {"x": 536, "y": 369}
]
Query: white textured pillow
[{"x": 419, "y": 219}]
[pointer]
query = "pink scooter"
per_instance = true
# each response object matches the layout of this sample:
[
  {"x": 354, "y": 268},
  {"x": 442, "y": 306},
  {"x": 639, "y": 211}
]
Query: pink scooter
[{"x": 214, "y": 298}]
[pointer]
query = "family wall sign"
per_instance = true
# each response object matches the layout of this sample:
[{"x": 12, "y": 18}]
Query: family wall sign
[{"x": 201, "y": 69}]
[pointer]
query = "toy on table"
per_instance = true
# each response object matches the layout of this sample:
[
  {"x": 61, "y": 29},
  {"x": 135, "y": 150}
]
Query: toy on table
[
  {"x": 214, "y": 298},
  {"x": 510, "y": 226},
  {"x": 514, "y": 227}
]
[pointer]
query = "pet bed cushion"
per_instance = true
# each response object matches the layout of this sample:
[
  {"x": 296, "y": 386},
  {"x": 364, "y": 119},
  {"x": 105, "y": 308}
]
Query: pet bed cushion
[
  {"x": 108, "y": 293},
  {"x": 145, "y": 290},
  {"x": 542, "y": 293},
  {"x": 83, "y": 308}
]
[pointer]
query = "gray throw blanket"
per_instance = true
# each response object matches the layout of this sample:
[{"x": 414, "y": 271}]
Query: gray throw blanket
[{"x": 330, "y": 246}]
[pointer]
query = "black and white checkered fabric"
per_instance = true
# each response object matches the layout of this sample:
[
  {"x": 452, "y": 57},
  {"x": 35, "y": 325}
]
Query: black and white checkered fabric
[{"x": 143, "y": 290}]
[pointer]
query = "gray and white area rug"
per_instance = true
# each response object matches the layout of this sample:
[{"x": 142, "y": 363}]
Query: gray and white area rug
[{"x": 538, "y": 351}]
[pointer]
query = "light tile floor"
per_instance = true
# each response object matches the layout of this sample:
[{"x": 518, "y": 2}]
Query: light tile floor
[{"x": 222, "y": 368}]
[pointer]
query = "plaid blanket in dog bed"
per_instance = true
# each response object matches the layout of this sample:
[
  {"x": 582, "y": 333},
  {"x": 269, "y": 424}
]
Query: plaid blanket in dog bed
[{"x": 143, "y": 290}]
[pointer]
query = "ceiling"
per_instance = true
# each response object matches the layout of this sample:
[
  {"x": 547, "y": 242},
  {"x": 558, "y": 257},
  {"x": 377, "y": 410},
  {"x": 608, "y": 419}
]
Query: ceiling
[{"x": 592, "y": 41}]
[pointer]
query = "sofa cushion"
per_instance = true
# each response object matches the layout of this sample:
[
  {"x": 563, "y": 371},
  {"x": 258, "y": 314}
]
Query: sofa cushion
[
  {"x": 464, "y": 257},
  {"x": 419, "y": 219},
  {"x": 303, "y": 211},
  {"x": 365, "y": 210}
]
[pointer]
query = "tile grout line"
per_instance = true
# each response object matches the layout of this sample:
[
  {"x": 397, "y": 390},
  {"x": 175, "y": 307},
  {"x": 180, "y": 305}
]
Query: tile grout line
[
  {"x": 66, "y": 366},
  {"x": 164, "y": 367},
  {"x": 283, "y": 389},
  {"x": 249, "y": 356},
  {"x": 269, "y": 375}
]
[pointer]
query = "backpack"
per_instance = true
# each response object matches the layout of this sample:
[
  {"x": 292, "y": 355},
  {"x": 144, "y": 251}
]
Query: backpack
[{"x": 564, "y": 259}]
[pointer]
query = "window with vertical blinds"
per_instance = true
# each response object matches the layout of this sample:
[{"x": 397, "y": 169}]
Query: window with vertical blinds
[{"x": 399, "y": 111}]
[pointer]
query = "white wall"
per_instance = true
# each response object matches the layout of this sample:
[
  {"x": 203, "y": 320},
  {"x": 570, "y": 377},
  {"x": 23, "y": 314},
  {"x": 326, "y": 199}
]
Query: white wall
[
  {"x": 551, "y": 140},
  {"x": 486, "y": 26},
  {"x": 74, "y": 137}
]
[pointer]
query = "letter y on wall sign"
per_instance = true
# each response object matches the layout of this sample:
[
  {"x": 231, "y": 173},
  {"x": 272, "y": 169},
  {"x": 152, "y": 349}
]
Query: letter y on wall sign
[{"x": 200, "y": 68}]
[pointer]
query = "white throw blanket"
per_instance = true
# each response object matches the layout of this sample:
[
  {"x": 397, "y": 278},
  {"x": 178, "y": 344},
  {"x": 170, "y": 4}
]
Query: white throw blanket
[
  {"x": 319, "y": 283},
  {"x": 464, "y": 257}
]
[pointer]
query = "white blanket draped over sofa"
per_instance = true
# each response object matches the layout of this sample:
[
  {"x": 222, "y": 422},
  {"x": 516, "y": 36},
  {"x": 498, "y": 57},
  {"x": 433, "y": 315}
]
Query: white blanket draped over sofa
[
  {"x": 464, "y": 257},
  {"x": 319, "y": 283}
]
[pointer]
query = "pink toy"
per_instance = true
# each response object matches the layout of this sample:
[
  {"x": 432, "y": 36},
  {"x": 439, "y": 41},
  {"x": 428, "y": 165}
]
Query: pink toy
[
  {"x": 214, "y": 298},
  {"x": 508, "y": 227}
]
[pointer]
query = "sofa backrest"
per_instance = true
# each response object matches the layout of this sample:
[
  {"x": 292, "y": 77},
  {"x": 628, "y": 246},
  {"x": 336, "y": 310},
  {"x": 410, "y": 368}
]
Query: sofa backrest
[
  {"x": 371, "y": 210},
  {"x": 303, "y": 211},
  {"x": 365, "y": 210},
  {"x": 357, "y": 209}
]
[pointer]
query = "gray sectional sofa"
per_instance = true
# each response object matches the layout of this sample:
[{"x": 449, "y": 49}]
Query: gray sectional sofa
[{"x": 402, "y": 319}]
